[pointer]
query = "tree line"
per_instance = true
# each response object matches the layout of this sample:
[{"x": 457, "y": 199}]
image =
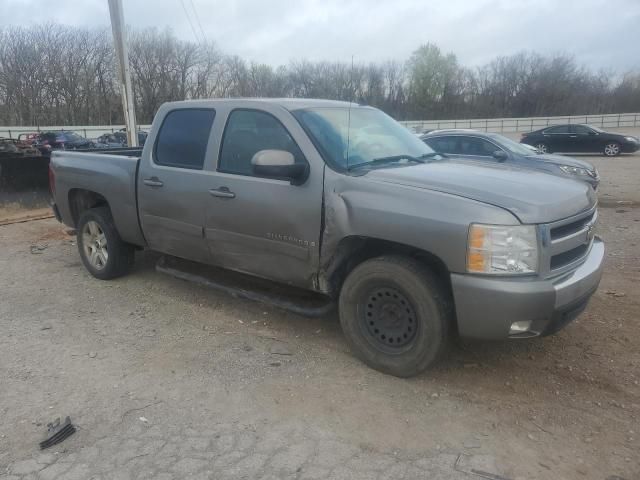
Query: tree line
[{"x": 62, "y": 75}]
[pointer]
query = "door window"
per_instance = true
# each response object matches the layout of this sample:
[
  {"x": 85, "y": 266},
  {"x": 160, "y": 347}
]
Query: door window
[
  {"x": 249, "y": 131},
  {"x": 443, "y": 144},
  {"x": 476, "y": 146},
  {"x": 581, "y": 130},
  {"x": 183, "y": 137}
]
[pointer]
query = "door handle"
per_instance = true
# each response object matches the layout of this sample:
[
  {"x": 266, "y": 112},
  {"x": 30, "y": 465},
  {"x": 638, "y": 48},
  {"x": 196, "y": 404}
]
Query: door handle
[
  {"x": 222, "y": 192},
  {"x": 153, "y": 182},
  {"x": 573, "y": 136}
]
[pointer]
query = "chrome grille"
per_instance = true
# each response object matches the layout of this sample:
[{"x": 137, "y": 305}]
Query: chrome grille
[{"x": 567, "y": 242}]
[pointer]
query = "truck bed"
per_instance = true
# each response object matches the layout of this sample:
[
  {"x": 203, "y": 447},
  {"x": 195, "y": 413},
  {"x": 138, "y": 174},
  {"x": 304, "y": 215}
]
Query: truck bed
[{"x": 107, "y": 173}]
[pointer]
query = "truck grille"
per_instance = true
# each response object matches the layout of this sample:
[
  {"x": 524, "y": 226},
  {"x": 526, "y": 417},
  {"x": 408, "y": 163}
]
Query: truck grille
[{"x": 569, "y": 241}]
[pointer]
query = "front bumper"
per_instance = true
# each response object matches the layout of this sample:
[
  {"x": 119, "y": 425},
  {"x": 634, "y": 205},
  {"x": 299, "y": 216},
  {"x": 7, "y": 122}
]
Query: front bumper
[
  {"x": 487, "y": 306},
  {"x": 630, "y": 147}
]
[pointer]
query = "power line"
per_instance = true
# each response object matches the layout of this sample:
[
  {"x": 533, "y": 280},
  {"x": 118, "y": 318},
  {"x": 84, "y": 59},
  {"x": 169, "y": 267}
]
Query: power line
[
  {"x": 195, "y": 14},
  {"x": 195, "y": 34}
]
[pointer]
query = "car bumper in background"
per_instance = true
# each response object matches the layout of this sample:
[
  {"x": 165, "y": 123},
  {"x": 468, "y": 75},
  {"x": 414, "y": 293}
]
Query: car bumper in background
[{"x": 487, "y": 307}]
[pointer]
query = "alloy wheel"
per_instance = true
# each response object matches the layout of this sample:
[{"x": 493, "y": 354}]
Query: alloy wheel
[{"x": 94, "y": 243}]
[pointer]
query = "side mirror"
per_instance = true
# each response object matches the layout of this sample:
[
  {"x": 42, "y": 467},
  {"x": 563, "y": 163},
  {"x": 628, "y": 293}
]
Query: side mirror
[
  {"x": 500, "y": 155},
  {"x": 591, "y": 132},
  {"x": 279, "y": 164}
]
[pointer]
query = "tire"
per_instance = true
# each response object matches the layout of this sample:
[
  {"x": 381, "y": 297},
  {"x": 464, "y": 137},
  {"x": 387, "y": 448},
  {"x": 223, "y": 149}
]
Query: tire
[
  {"x": 104, "y": 254},
  {"x": 612, "y": 149},
  {"x": 395, "y": 315},
  {"x": 543, "y": 147}
]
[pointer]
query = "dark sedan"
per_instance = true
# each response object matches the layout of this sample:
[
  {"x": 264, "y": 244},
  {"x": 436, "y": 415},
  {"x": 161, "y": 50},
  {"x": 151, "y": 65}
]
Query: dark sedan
[
  {"x": 65, "y": 139},
  {"x": 581, "y": 138},
  {"x": 493, "y": 147}
]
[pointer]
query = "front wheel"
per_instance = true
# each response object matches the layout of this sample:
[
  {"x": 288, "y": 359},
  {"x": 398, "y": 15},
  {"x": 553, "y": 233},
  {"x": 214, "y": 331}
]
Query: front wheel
[
  {"x": 102, "y": 250},
  {"x": 612, "y": 149},
  {"x": 542, "y": 147},
  {"x": 395, "y": 315}
]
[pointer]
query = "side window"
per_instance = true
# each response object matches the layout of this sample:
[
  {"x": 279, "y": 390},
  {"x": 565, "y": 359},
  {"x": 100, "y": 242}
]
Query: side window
[
  {"x": 558, "y": 129},
  {"x": 249, "y": 131},
  {"x": 443, "y": 144},
  {"x": 183, "y": 137},
  {"x": 476, "y": 146},
  {"x": 581, "y": 130}
]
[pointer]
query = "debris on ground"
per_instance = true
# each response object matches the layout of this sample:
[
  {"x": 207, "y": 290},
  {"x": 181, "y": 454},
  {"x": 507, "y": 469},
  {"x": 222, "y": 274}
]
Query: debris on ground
[
  {"x": 37, "y": 249},
  {"x": 280, "y": 349},
  {"x": 57, "y": 432},
  {"x": 613, "y": 293}
]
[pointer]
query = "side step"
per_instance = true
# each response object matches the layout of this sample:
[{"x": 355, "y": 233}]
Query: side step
[{"x": 238, "y": 285}]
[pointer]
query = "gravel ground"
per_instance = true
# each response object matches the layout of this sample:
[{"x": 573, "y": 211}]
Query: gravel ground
[{"x": 166, "y": 380}]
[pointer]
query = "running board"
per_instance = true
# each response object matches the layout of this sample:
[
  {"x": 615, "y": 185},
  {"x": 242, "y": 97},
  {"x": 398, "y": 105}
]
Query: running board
[{"x": 238, "y": 285}]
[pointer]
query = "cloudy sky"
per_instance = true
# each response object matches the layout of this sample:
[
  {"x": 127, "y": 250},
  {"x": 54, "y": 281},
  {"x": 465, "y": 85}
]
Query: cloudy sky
[{"x": 601, "y": 33}]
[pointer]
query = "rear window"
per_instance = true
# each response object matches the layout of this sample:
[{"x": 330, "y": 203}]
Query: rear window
[{"x": 183, "y": 137}]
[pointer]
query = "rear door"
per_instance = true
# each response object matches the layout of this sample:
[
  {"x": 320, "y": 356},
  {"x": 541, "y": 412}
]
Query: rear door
[
  {"x": 264, "y": 226},
  {"x": 558, "y": 138},
  {"x": 172, "y": 187}
]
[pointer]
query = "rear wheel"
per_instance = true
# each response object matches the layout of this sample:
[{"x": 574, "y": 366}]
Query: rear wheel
[
  {"x": 395, "y": 315},
  {"x": 543, "y": 147},
  {"x": 102, "y": 250},
  {"x": 612, "y": 149}
]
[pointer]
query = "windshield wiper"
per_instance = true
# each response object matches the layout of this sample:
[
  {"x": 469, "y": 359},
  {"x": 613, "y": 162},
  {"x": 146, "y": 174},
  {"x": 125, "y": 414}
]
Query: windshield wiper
[
  {"x": 432, "y": 155},
  {"x": 389, "y": 159}
]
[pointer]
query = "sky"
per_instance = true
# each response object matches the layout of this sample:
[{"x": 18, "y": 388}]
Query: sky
[{"x": 602, "y": 34}]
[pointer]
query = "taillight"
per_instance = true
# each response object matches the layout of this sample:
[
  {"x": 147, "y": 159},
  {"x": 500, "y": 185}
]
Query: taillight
[{"x": 52, "y": 180}]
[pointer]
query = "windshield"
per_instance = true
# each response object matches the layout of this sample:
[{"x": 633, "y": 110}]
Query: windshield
[
  {"x": 513, "y": 147},
  {"x": 69, "y": 137},
  {"x": 360, "y": 136}
]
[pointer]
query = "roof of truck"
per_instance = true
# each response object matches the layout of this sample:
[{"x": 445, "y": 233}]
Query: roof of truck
[{"x": 288, "y": 103}]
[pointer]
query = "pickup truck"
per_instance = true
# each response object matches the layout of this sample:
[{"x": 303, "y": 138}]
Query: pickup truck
[{"x": 340, "y": 199}]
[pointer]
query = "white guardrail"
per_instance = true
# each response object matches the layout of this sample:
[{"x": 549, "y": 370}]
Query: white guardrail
[
  {"x": 506, "y": 125},
  {"x": 497, "y": 125}
]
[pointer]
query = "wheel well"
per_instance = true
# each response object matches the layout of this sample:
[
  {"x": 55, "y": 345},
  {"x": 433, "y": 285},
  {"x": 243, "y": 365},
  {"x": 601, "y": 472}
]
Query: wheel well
[
  {"x": 81, "y": 200},
  {"x": 352, "y": 251}
]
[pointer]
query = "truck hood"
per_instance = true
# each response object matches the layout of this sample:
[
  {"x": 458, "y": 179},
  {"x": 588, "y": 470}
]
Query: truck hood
[{"x": 533, "y": 197}]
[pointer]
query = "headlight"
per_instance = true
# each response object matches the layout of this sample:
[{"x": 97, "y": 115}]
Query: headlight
[
  {"x": 574, "y": 170},
  {"x": 502, "y": 250},
  {"x": 631, "y": 139}
]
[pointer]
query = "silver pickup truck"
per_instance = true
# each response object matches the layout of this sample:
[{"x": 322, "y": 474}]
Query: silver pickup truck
[{"x": 340, "y": 199}]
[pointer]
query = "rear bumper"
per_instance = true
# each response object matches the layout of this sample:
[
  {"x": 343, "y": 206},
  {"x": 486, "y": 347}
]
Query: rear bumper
[
  {"x": 56, "y": 212},
  {"x": 486, "y": 307}
]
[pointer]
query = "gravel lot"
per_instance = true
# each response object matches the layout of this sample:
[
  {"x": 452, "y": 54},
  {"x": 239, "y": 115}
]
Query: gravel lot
[{"x": 166, "y": 380}]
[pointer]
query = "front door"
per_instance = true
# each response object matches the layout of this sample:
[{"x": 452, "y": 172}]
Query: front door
[
  {"x": 172, "y": 186},
  {"x": 262, "y": 226}
]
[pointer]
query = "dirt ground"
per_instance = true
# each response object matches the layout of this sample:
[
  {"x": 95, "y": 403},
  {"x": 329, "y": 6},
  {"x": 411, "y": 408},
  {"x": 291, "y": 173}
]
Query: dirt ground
[{"x": 165, "y": 379}]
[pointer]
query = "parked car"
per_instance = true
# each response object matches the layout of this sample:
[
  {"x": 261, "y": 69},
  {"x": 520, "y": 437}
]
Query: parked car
[
  {"x": 342, "y": 200},
  {"x": 492, "y": 147},
  {"x": 64, "y": 139},
  {"x": 581, "y": 138},
  {"x": 17, "y": 148},
  {"x": 119, "y": 139}
]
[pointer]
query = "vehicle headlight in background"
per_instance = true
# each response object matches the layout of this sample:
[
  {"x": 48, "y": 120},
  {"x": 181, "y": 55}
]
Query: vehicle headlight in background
[
  {"x": 631, "y": 139},
  {"x": 502, "y": 250},
  {"x": 583, "y": 172}
]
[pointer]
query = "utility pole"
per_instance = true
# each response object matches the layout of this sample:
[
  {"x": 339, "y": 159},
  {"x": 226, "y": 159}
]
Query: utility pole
[{"x": 120, "y": 43}]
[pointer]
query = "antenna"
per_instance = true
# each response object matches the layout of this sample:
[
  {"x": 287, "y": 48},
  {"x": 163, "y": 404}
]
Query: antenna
[{"x": 349, "y": 112}]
